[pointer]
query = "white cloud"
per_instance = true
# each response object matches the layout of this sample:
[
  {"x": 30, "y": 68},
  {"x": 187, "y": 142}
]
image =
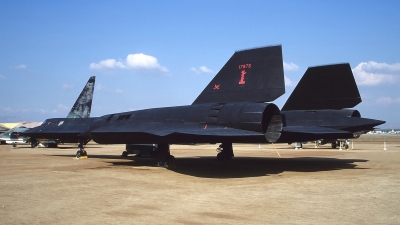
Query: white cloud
[
  {"x": 107, "y": 64},
  {"x": 290, "y": 67},
  {"x": 133, "y": 61},
  {"x": 288, "y": 82},
  {"x": 142, "y": 61},
  {"x": 20, "y": 67},
  {"x": 201, "y": 69},
  {"x": 205, "y": 69},
  {"x": 373, "y": 73},
  {"x": 387, "y": 100},
  {"x": 67, "y": 86}
]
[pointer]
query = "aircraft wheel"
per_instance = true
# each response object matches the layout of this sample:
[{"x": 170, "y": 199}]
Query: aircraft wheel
[
  {"x": 52, "y": 145},
  {"x": 223, "y": 156},
  {"x": 162, "y": 163},
  {"x": 220, "y": 156},
  {"x": 80, "y": 153},
  {"x": 14, "y": 145},
  {"x": 333, "y": 145},
  {"x": 171, "y": 162},
  {"x": 124, "y": 154}
]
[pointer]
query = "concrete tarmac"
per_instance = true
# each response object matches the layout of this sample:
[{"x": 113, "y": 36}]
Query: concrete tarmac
[{"x": 305, "y": 186}]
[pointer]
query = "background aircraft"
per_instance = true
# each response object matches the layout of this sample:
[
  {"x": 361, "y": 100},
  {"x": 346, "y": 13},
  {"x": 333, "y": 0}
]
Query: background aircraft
[{"x": 12, "y": 132}]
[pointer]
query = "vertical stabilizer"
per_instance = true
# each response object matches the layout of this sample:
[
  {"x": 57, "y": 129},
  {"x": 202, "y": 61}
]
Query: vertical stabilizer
[
  {"x": 325, "y": 87},
  {"x": 254, "y": 75},
  {"x": 83, "y": 104}
]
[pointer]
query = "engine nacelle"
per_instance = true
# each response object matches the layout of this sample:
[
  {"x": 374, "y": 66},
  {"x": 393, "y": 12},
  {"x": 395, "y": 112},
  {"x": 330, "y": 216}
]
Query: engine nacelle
[{"x": 259, "y": 117}]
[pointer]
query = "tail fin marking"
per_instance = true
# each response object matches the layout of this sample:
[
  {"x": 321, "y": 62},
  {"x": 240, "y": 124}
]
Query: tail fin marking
[
  {"x": 254, "y": 75},
  {"x": 83, "y": 104}
]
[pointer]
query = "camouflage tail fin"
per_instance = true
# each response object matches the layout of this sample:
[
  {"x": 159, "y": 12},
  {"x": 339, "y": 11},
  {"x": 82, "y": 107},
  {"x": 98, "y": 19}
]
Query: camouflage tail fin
[
  {"x": 83, "y": 104},
  {"x": 325, "y": 87},
  {"x": 254, "y": 75}
]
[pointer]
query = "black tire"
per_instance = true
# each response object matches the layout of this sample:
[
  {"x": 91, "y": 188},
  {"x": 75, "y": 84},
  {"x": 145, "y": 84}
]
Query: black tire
[
  {"x": 171, "y": 162},
  {"x": 124, "y": 154},
  {"x": 52, "y": 145},
  {"x": 220, "y": 156},
  {"x": 333, "y": 145},
  {"x": 162, "y": 163}
]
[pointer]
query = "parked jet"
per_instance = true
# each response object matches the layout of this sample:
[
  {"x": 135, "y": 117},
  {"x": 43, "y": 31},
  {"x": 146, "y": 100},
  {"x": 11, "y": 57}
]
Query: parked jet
[
  {"x": 80, "y": 113},
  {"x": 231, "y": 109},
  {"x": 13, "y": 137}
]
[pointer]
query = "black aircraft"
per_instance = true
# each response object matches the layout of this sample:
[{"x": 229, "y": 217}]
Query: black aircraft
[
  {"x": 52, "y": 131},
  {"x": 233, "y": 109}
]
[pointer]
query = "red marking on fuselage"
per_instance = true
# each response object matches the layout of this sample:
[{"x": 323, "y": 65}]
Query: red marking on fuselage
[
  {"x": 205, "y": 126},
  {"x": 216, "y": 86},
  {"x": 242, "y": 75},
  {"x": 245, "y": 66}
]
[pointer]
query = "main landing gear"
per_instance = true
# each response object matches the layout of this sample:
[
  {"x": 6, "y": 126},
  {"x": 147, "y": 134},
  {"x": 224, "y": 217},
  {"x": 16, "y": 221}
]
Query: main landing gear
[
  {"x": 164, "y": 158},
  {"x": 341, "y": 144},
  {"x": 81, "y": 153},
  {"x": 225, "y": 151}
]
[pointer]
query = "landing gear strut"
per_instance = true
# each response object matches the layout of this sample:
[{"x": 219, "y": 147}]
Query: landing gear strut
[
  {"x": 34, "y": 142},
  {"x": 164, "y": 158},
  {"x": 225, "y": 151},
  {"x": 81, "y": 152}
]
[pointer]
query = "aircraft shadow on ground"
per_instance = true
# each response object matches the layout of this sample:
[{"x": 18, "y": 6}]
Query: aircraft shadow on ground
[
  {"x": 253, "y": 167},
  {"x": 59, "y": 147},
  {"x": 241, "y": 167},
  {"x": 74, "y": 147}
]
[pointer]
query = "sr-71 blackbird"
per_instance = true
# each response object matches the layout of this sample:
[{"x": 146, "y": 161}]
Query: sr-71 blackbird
[{"x": 235, "y": 108}]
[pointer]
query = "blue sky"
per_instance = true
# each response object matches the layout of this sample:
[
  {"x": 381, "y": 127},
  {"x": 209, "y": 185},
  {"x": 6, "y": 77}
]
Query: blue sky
[{"x": 148, "y": 54}]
